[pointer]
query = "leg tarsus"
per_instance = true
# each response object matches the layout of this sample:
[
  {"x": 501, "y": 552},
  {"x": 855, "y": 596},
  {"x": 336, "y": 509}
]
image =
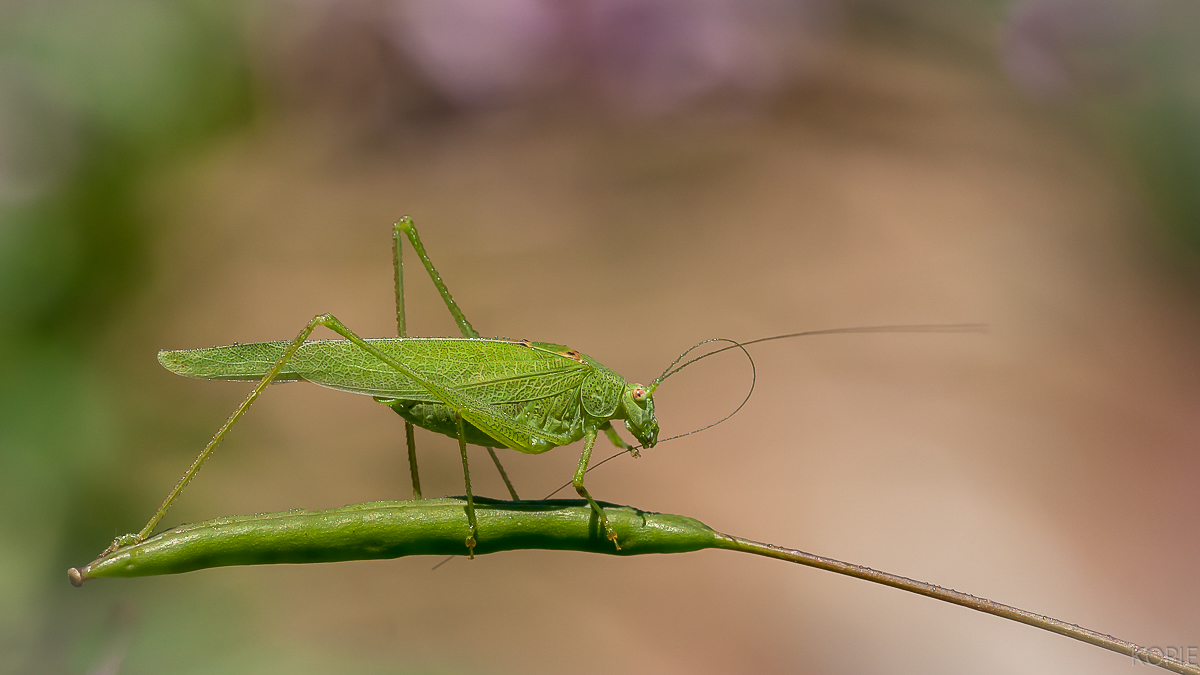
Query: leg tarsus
[{"x": 121, "y": 542}]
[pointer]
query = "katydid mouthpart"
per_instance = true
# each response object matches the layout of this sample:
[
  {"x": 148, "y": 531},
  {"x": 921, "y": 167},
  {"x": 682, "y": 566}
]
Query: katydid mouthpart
[{"x": 496, "y": 393}]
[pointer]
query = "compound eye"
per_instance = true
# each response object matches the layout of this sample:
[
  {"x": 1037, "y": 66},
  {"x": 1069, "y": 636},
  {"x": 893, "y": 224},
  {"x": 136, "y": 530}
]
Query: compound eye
[{"x": 639, "y": 394}]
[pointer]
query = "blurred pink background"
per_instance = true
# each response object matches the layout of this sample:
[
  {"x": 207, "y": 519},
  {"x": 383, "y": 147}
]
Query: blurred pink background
[{"x": 628, "y": 179}]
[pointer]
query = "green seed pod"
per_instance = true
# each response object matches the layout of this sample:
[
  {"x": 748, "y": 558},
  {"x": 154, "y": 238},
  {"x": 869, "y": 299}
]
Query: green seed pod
[{"x": 377, "y": 530}]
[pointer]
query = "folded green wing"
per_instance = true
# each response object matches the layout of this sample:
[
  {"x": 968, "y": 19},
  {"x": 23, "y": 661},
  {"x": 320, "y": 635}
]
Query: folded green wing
[{"x": 495, "y": 371}]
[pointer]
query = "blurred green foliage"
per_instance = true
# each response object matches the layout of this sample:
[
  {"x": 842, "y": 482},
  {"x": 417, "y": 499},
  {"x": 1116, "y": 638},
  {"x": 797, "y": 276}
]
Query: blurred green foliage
[
  {"x": 94, "y": 98},
  {"x": 1157, "y": 124},
  {"x": 111, "y": 90}
]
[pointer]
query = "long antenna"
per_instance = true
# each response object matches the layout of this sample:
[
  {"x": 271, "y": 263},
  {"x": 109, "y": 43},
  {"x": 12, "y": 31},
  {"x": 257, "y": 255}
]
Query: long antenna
[{"x": 734, "y": 344}]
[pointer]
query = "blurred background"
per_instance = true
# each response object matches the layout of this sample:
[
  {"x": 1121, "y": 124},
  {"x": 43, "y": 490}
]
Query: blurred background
[{"x": 627, "y": 177}]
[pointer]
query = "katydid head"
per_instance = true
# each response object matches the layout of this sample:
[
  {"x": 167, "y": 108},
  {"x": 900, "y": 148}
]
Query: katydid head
[{"x": 638, "y": 402}]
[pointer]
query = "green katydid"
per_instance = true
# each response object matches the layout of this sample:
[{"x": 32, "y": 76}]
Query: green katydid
[{"x": 497, "y": 393}]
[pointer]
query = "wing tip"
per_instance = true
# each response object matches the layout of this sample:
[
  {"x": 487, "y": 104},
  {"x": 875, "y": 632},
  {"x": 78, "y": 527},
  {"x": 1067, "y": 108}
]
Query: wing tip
[{"x": 172, "y": 360}]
